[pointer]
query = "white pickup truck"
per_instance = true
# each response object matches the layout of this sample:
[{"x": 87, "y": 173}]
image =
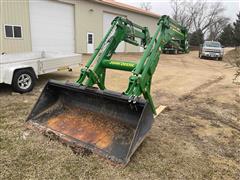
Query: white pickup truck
[
  {"x": 211, "y": 49},
  {"x": 21, "y": 70}
]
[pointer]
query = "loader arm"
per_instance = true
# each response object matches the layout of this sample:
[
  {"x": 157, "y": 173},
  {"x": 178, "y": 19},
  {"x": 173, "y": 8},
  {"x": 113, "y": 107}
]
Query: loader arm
[
  {"x": 125, "y": 30},
  {"x": 142, "y": 72},
  {"x": 140, "y": 81}
]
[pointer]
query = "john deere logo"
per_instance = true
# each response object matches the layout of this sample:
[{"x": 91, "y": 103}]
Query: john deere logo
[{"x": 123, "y": 64}]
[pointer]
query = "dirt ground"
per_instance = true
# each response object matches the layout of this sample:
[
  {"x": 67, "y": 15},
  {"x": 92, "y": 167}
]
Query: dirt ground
[{"x": 197, "y": 137}]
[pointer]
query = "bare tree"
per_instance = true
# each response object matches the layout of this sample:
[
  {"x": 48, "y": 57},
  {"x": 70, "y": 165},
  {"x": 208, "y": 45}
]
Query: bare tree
[
  {"x": 147, "y": 6},
  {"x": 176, "y": 7},
  {"x": 217, "y": 28},
  {"x": 199, "y": 15},
  {"x": 180, "y": 13},
  {"x": 207, "y": 15}
]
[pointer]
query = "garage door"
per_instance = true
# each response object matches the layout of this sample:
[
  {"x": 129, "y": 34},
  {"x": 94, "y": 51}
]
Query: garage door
[
  {"x": 52, "y": 26},
  {"x": 107, "y": 20}
]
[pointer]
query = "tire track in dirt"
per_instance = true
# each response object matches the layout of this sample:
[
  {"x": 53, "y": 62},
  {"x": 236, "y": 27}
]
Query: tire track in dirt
[
  {"x": 198, "y": 90},
  {"x": 203, "y": 86},
  {"x": 229, "y": 124},
  {"x": 212, "y": 67}
]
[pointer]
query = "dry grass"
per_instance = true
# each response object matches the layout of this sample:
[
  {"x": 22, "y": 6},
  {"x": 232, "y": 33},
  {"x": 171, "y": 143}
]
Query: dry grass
[
  {"x": 233, "y": 58},
  {"x": 197, "y": 138}
]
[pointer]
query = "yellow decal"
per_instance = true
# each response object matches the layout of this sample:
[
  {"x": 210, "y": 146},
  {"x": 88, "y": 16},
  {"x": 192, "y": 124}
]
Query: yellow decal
[
  {"x": 176, "y": 29},
  {"x": 125, "y": 64}
]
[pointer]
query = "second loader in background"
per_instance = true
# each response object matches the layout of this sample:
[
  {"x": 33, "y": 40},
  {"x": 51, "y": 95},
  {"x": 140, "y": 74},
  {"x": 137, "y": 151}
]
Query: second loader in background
[
  {"x": 87, "y": 115},
  {"x": 178, "y": 44}
]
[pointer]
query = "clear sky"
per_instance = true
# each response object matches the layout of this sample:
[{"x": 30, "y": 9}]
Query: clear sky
[{"x": 164, "y": 6}]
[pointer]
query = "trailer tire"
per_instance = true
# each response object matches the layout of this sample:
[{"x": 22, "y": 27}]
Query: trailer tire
[{"x": 23, "y": 80}]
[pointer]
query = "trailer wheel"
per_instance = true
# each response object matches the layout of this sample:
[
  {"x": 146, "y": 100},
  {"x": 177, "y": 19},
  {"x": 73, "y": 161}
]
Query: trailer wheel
[{"x": 23, "y": 80}]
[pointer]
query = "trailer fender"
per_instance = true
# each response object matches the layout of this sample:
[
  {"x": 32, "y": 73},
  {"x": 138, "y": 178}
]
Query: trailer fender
[{"x": 9, "y": 72}]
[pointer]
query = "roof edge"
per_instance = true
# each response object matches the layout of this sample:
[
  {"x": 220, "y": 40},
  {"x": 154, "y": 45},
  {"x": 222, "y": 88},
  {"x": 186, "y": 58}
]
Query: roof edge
[{"x": 127, "y": 7}]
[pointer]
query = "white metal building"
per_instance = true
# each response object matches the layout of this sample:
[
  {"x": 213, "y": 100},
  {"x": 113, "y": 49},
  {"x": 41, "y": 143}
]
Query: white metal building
[{"x": 64, "y": 25}]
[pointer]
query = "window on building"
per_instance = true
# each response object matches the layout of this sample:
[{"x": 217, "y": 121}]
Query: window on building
[
  {"x": 8, "y": 31},
  {"x": 17, "y": 31},
  {"x": 90, "y": 38},
  {"x": 13, "y": 31}
]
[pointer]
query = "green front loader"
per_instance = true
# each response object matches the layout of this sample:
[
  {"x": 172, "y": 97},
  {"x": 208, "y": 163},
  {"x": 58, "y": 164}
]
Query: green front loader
[
  {"x": 85, "y": 115},
  {"x": 179, "y": 42}
]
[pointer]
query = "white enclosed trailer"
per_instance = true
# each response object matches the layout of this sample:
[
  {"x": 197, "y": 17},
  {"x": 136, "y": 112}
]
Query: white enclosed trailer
[{"x": 21, "y": 70}]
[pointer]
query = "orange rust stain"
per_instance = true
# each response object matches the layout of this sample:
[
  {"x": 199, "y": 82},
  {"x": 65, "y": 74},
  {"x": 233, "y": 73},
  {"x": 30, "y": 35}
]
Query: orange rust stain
[{"x": 84, "y": 126}]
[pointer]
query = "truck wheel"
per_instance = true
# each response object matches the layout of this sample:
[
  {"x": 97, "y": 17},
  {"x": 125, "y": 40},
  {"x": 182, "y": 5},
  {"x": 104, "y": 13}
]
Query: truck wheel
[{"x": 23, "y": 81}]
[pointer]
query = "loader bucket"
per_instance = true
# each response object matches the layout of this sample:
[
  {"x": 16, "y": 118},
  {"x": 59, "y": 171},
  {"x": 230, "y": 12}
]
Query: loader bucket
[{"x": 103, "y": 122}]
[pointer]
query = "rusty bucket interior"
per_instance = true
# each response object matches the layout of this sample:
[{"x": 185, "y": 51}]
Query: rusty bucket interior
[{"x": 103, "y": 122}]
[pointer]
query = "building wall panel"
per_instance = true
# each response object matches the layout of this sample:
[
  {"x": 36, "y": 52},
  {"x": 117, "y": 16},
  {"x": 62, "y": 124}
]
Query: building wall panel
[
  {"x": 88, "y": 18},
  {"x": 16, "y": 13},
  {"x": 1, "y": 28}
]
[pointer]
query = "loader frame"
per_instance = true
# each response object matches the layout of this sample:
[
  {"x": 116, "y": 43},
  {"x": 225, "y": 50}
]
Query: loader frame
[{"x": 142, "y": 72}]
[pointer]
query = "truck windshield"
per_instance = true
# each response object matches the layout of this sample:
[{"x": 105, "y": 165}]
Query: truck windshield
[{"x": 212, "y": 44}]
